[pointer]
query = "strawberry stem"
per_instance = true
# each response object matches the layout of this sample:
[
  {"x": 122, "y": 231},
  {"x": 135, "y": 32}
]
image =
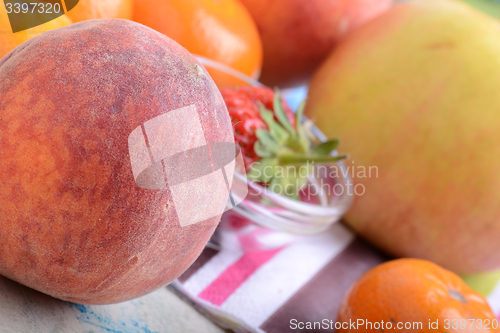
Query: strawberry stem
[
  {"x": 304, "y": 159},
  {"x": 284, "y": 145}
]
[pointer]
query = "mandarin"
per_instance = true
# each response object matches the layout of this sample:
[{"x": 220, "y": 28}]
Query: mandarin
[
  {"x": 220, "y": 30},
  {"x": 409, "y": 295},
  {"x": 9, "y": 40},
  {"x": 96, "y": 9}
]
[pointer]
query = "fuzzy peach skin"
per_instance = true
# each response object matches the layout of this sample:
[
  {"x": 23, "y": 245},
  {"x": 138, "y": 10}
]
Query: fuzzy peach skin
[
  {"x": 73, "y": 222},
  {"x": 297, "y": 35},
  {"x": 414, "y": 93}
]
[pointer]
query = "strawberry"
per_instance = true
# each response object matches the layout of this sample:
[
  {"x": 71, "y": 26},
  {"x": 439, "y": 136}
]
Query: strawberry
[
  {"x": 243, "y": 104},
  {"x": 272, "y": 138}
]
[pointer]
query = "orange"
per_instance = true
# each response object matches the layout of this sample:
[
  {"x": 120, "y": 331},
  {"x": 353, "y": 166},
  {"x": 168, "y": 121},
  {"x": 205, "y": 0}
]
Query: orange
[
  {"x": 95, "y": 9},
  {"x": 417, "y": 296},
  {"x": 9, "y": 40},
  {"x": 221, "y": 30}
]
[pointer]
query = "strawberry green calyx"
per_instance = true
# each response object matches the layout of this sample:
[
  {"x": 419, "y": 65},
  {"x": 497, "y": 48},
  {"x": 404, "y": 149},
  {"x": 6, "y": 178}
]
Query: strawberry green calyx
[{"x": 287, "y": 152}]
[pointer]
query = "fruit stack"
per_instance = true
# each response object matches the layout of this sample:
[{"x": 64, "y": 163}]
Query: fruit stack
[{"x": 121, "y": 152}]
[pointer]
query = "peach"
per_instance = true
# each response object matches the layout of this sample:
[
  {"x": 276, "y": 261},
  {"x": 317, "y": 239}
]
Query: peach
[
  {"x": 78, "y": 219},
  {"x": 297, "y": 35}
]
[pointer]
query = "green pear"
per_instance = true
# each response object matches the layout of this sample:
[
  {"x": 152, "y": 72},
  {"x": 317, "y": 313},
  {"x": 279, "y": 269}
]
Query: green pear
[
  {"x": 414, "y": 97},
  {"x": 491, "y": 7},
  {"x": 482, "y": 283}
]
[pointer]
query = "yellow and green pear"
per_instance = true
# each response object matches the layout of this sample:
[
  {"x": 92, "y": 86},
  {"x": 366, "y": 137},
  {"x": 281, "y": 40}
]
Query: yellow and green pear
[{"x": 415, "y": 94}]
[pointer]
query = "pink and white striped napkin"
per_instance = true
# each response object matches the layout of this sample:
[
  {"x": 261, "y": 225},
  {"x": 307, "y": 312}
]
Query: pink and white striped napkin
[{"x": 260, "y": 280}]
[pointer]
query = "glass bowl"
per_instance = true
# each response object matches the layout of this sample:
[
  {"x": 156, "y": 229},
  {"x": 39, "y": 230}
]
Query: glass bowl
[{"x": 324, "y": 200}]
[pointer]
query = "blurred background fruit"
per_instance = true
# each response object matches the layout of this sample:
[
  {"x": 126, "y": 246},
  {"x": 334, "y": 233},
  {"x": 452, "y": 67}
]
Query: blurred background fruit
[
  {"x": 298, "y": 34},
  {"x": 483, "y": 283},
  {"x": 221, "y": 30},
  {"x": 410, "y": 291},
  {"x": 414, "y": 94},
  {"x": 9, "y": 40},
  {"x": 95, "y": 9},
  {"x": 491, "y": 7}
]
